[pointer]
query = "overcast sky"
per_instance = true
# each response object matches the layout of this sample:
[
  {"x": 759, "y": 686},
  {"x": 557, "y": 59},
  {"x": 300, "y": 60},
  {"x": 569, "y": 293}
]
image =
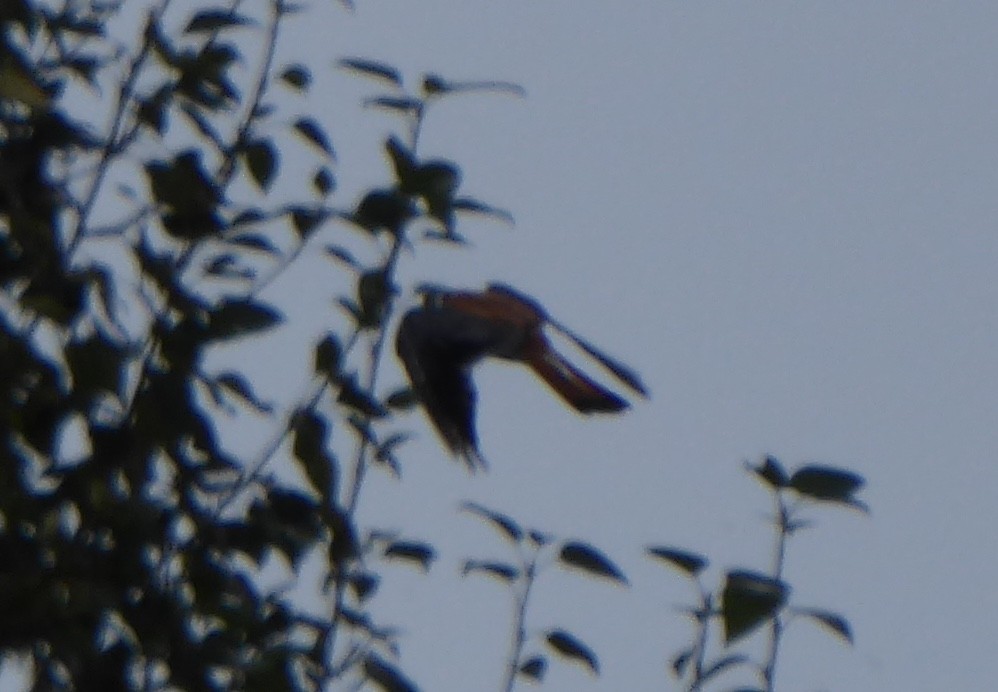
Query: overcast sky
[{"x": 783, "y": 215}]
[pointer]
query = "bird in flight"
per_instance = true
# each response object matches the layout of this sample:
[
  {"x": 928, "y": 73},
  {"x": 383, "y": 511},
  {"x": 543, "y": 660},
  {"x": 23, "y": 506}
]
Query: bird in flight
[{"x": 441, "y": 341}]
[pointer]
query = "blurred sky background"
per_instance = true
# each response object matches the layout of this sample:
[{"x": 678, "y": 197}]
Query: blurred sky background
[{"x": 783, "y": 215}]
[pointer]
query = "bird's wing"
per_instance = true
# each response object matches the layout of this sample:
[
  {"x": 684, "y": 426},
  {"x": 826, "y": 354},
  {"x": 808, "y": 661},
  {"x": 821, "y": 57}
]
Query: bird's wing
[{"x": 438, "y": 346}]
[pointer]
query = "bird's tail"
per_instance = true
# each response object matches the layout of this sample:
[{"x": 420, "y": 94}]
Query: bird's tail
[
  {"x": 580, "y": 392},
  {"x": 619, "y": 370}
]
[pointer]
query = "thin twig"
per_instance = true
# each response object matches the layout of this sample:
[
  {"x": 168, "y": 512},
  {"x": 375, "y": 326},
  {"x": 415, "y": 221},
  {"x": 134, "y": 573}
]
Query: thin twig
[
  {"x": 110, "y": 149},
  {"x": 519, "y": 626},
  {"x": 776, "y": 626}
]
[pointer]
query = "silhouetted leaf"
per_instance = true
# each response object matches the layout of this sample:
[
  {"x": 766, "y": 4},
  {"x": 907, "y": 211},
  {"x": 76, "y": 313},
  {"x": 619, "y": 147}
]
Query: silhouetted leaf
[
  {"x": 328, "y": 355},
  {"x": 374, "y": 289},
  {"x": 96, "y": 363},
  {"x": 500, "y": 570},
  {"x": 826, "y": 483},
  {"x": 588, "y": 559},
  {"x": 323, "y": 181},
  {"x": 297, "y": 76},
  {"x": 370, "y": 68},
  {"x": 571, "y": 647},
  {"x": 313, "y": 132},
  {"x": 402, "y": 399},
  {"x": 208, "y": 21},
  {"x": 183, "y": 183},
  {"x": 434, "y": 180},
  {"x": 306, "y": 219},
  {"x": 411, "y": 551},
  {"x": 384, "y": 209},
  {"x": 690, "y": 563},
  {"x": 400, "y": 104},
  {"x": 473, "y": 206},
  {"x": 364, "y": 584},
  {"x": 833, "y": 621},
  {"x": 771, "y": 472},
  {"x": 533, "y": 668},
  {"x": 502, "y": 522},
  {"x": 403, "y": 160},
  {"x": 748, "y": 600},
  {"x": 343, "y": 255},
  {"x": 311, "y": 433},
  {"x": 261, "y": 159},
  {"x": 236, "y": 384},
  {"x": 352, "y": 396},
  {"x": 538, "y": 538},
  {"x": 239, "y": 317},
  {"x": 253, "y": 241},
  {"x": 386, "y": 676},
  {"x": 435, "y": 85}
]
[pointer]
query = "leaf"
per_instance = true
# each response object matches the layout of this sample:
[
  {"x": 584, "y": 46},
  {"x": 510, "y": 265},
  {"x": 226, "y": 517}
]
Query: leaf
[
  {"x": 533, "y": 668},
  {"x": 352, "y": 396},
  {"x": 826, "y": 483},
  {"x": 570, "y": 647},
  {"x": 343, "y": 255},
  {"x": 435, "y": 85},
  {"x": 748, "y": 600},
  {"x": 384, "y": 209},
  {"x": 328, "y": 355},
  {"x": 253, "y": 241},
  {"x": 588, "y": 559},
  {"x": 97, "y": 364},
  {"x": 209, "y": 21},
  {"x": 313, "y": 132},
  {"x": 236, "y": 384},
  {"x": 385, "y": 675},
  {"x": 833, "y": 621},
  {"x": 690, "y": 563},
  {"x": 297, "y": 76},
  {"x": 473, "y": 206},
  {"x": 436, "y": 182},
  {"x": 323, "y": 181},
  {"x": 239, "y": 317},
  {"x": 261, "y": 159},
  {"x": 374, "y": 289},
  {"x": 411, "y": 551},
  {"x": 364, "y": 584},
  {"x": 771, "y": 472},
  {"x": 502, "y": 522},
  {"x": 311, "y": 435},
  {"x": 402, "y": 399},
  {"x": 403, "y": 160},
  {"x": 372, "y": 69},
  {"x": 538, "y": 538},
  {"x": 401, "y": 104},
  {"x": 500, "y": 570},
  {"x": 183, "y": 184},
  {"x": 306, "y": 219}
]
